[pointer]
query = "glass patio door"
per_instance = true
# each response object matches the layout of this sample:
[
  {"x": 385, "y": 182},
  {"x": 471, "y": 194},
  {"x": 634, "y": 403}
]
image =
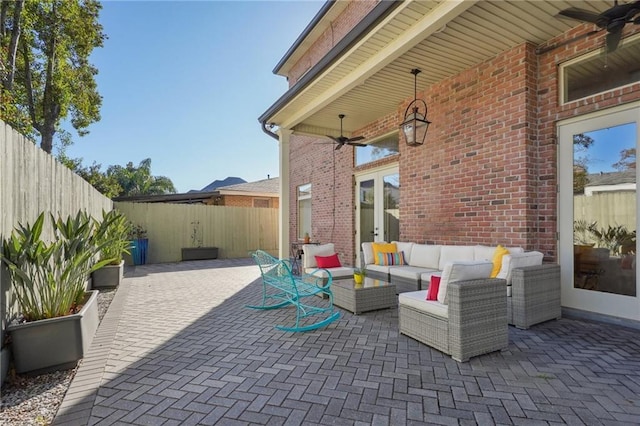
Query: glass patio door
[
  {"x": 377, "y": 207},
  {"x": 598, "y": 207}
]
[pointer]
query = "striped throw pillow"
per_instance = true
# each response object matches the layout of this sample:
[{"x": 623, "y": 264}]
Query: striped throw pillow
[{"x": 388, "y": 259}]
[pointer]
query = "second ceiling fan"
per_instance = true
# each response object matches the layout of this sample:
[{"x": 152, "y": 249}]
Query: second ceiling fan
[{"x": 343, "y": 140}]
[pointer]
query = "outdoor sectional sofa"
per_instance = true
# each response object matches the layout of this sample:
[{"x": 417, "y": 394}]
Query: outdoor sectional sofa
[{"x": 533, "y": 288}]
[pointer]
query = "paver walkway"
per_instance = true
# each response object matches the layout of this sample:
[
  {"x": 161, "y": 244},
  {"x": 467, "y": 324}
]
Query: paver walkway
[{"x": 178, "y": 347}]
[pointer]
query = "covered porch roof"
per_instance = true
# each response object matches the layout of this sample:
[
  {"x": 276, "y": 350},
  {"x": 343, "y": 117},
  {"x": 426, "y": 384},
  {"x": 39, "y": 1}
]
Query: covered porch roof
[{"x": 367, "y": 74}]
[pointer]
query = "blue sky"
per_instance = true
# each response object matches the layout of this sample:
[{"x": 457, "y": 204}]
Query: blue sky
[
  {"x": 607, "y": 146},
  {"x": 183, "y": 82}
]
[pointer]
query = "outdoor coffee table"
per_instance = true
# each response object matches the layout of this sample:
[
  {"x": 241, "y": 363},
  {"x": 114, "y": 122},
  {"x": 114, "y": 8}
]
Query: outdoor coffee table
[{"x": 372, "y": 294}]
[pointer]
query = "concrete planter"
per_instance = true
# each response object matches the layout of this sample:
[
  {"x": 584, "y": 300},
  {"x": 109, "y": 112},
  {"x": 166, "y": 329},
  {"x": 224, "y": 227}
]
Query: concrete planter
[
  {"x": 199, "y": 253},
  {"x": 55, "y": 343},
  {"x": 108, "y": 276}
]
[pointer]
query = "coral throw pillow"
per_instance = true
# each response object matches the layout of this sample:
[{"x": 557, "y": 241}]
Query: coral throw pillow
[
  {"x": 383, "y": 248},
  {"x": 328, "y": 261},
  {"x": 497, "y": 260},
  {"x": 432, "y": 293}
]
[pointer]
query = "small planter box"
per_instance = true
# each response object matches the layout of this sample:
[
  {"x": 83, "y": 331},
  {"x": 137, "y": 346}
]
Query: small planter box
[
  {"x": 109, "y": 276},
  {"x": 55, "y": 343},
  {"x": 199, "y": 253}
]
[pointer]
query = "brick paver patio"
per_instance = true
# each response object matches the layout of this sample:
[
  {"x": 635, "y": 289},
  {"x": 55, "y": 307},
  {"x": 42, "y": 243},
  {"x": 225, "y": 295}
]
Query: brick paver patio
[{"x": 178, "y": 347}]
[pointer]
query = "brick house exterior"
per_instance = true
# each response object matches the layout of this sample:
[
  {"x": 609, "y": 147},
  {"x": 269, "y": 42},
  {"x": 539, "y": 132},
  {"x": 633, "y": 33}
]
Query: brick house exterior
[{"x": 487, "y": 173}]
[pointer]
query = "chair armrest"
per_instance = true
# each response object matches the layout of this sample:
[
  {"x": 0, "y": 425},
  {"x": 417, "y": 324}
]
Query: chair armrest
[
  {"x": 535, "y": 294},
  {"x": 318, "y": 281},
  {"x": 477, "y": 317}
]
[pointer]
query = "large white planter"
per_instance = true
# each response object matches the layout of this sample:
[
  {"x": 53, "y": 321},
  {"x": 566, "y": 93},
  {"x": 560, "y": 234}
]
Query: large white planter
[
  {"x": 55, "y": 343},
  {"x": 108, "y": 276}
]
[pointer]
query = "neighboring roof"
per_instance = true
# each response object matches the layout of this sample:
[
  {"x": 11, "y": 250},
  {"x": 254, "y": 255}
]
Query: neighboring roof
[
  {"x": 262, "y": 187},
  {"x": 612, "y": 178},
  {"x": 224, "y": 182}
]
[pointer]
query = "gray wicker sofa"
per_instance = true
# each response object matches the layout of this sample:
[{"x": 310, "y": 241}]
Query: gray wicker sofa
[
  {"x": 533, "y": 288},
  {"x": 468, "y": 319}
]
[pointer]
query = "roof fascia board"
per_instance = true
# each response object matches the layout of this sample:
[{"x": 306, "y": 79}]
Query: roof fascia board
[
  {"x": 251, "y": 193},
  {"x": 429, "y": 24},
  {"x": 378, "y": 12},
  {"x": 305, "y": 33}
]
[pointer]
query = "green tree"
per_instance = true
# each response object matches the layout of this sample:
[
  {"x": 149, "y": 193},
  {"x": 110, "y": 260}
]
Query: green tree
[
  {"x": 49, "y": 48},
  {"x": 627, "y": 160},
  {"x": 139, "y": 181},
  {"x": 581, "y": 144},
  {"x": 106, "y": 185}
]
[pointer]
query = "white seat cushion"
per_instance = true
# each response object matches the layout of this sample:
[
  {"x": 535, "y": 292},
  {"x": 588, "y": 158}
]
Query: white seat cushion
[
  {"x": 367, "y": 253},
  {"x": 455, "y": 253},
  {"x": 462, "y": 271},
  {"x": 411, "y": 272},
  {"x": 418, "y": 300},
  {"x": 518, "y": 260},
  {"x": 379, "y": 268},
  {"x": 313, "y": 250},
  {"x": 341, "y": 272},
  {"x": 425, "y": 256}
]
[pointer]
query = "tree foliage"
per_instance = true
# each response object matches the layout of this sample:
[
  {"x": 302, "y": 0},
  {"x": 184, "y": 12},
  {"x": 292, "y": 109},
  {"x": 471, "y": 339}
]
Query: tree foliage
[
  {"x": 139, "y": 181},
  {"x": 46, "y": 74},
  {"x": 627, "y": 160}
]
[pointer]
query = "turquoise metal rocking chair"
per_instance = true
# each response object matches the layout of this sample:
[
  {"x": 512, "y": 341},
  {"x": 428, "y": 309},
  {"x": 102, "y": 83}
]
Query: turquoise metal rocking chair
[{"x": 280, "y": 288}]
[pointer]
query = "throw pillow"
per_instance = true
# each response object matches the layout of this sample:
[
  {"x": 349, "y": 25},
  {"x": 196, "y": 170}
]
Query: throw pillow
[
  {"x": 497, "y": 260},
  {"x": 328, "y": 261},
  {"x": 434, "y": 286},
  {"x": 388, "y": 259},
  {"x": 384, "y": 248}
]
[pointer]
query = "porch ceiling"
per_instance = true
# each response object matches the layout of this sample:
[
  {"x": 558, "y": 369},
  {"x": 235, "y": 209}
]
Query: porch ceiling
[{"x": 442, "y": 38}]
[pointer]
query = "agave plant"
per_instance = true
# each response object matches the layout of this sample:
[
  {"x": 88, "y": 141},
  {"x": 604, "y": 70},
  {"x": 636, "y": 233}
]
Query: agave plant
[{"x": 48, "y": 278}]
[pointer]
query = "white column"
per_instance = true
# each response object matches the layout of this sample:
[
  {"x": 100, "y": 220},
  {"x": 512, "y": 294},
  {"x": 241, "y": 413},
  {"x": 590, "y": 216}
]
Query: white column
[{"x": 285, "y": 202}]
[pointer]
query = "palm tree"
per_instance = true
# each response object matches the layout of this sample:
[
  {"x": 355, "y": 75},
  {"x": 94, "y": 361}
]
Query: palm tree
[{"x": 139, "y": 181}]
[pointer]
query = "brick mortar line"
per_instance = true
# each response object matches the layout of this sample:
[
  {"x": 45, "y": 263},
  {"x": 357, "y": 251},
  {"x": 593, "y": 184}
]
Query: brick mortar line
[{"x": 98, "y": 351}]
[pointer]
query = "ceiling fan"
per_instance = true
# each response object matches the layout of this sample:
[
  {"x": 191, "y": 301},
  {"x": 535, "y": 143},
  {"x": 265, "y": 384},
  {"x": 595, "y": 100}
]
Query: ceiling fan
[
  {"x": 612, "y": 19},
  {"x": 343, "y": 140}
]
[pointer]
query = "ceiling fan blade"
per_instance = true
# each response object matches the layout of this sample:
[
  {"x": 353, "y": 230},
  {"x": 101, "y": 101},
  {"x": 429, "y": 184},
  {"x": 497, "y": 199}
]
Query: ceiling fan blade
[
  {"x": 335, "y": 139},
  {"x": 613, "y": 39},
  {"x": 356, "y": 138},
  {"x": 356, "y": 144},
  {"x": 580, "y": 15},
  {"x": 338, "y": 146}
]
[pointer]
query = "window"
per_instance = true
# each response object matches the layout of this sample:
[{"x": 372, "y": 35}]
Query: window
[
  {"x": 598, "y": 72},
  {"x": 304, "y": 210},
  {"x": 262, "y": 202},
  {"x": 384, "y": 147}
]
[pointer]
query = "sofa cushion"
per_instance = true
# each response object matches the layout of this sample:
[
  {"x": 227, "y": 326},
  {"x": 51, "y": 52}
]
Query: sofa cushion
[
  {"x": 487, "y": 252},
  {"x": 497, "y": 260},
  {"x": 406, "y": 248},
  {"x": 462, "y": 271},
  {"x": 379, "y": 268},
  {"x": 418, "y": 300},
  {"x": 454, "y": 253},
  {"x": 383, "y": 248},
  {"x": 425, "y": 256},
  {"x": 411, "y": 272},
  {"x": 341, "y": 272},
  {"x": 518, "y": 260},
  {"x": 367, "y": 253},
  {"x": 312, "y": 250}
]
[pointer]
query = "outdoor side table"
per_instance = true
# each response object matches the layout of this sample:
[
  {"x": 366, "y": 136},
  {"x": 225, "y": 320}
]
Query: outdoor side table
[{"x": 371, "y": 295}]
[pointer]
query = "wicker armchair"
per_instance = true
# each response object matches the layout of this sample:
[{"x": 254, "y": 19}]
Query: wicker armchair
[{"x": 471, "y": 320}]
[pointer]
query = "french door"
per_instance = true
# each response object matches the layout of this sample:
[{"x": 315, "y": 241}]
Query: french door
[
  {"x": 377, "y": 207},
  {"x": 598, "y": 211}
]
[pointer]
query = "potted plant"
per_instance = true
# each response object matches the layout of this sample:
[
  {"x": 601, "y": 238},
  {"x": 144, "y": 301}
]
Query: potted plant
[
  {"x": 113, "y": 234},
  {"x": 139, "y": 244},
  {"x": 196, "y": 251},
  {"x": 358, "y": 276},
  {"x": 57, "y": 317}
]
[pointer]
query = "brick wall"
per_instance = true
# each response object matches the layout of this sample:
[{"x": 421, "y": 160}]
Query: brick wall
[
  {"x": 487, "y": 173},
  {"x": 246, "y": 201}
]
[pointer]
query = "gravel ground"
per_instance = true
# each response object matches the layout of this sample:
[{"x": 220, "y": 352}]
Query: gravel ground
[{"x": 35, "y": 400}]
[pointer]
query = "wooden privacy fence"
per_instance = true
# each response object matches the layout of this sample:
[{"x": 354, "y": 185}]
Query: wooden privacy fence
[
  {"x": 236, "y": 231},
  {"x": 607, "y": 208}
]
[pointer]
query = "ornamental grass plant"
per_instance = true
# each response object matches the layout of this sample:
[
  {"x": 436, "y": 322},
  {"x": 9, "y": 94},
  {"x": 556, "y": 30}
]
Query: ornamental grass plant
[
  {"x": 49, "y": 277},
  {"x": 113, "y": 234}
]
